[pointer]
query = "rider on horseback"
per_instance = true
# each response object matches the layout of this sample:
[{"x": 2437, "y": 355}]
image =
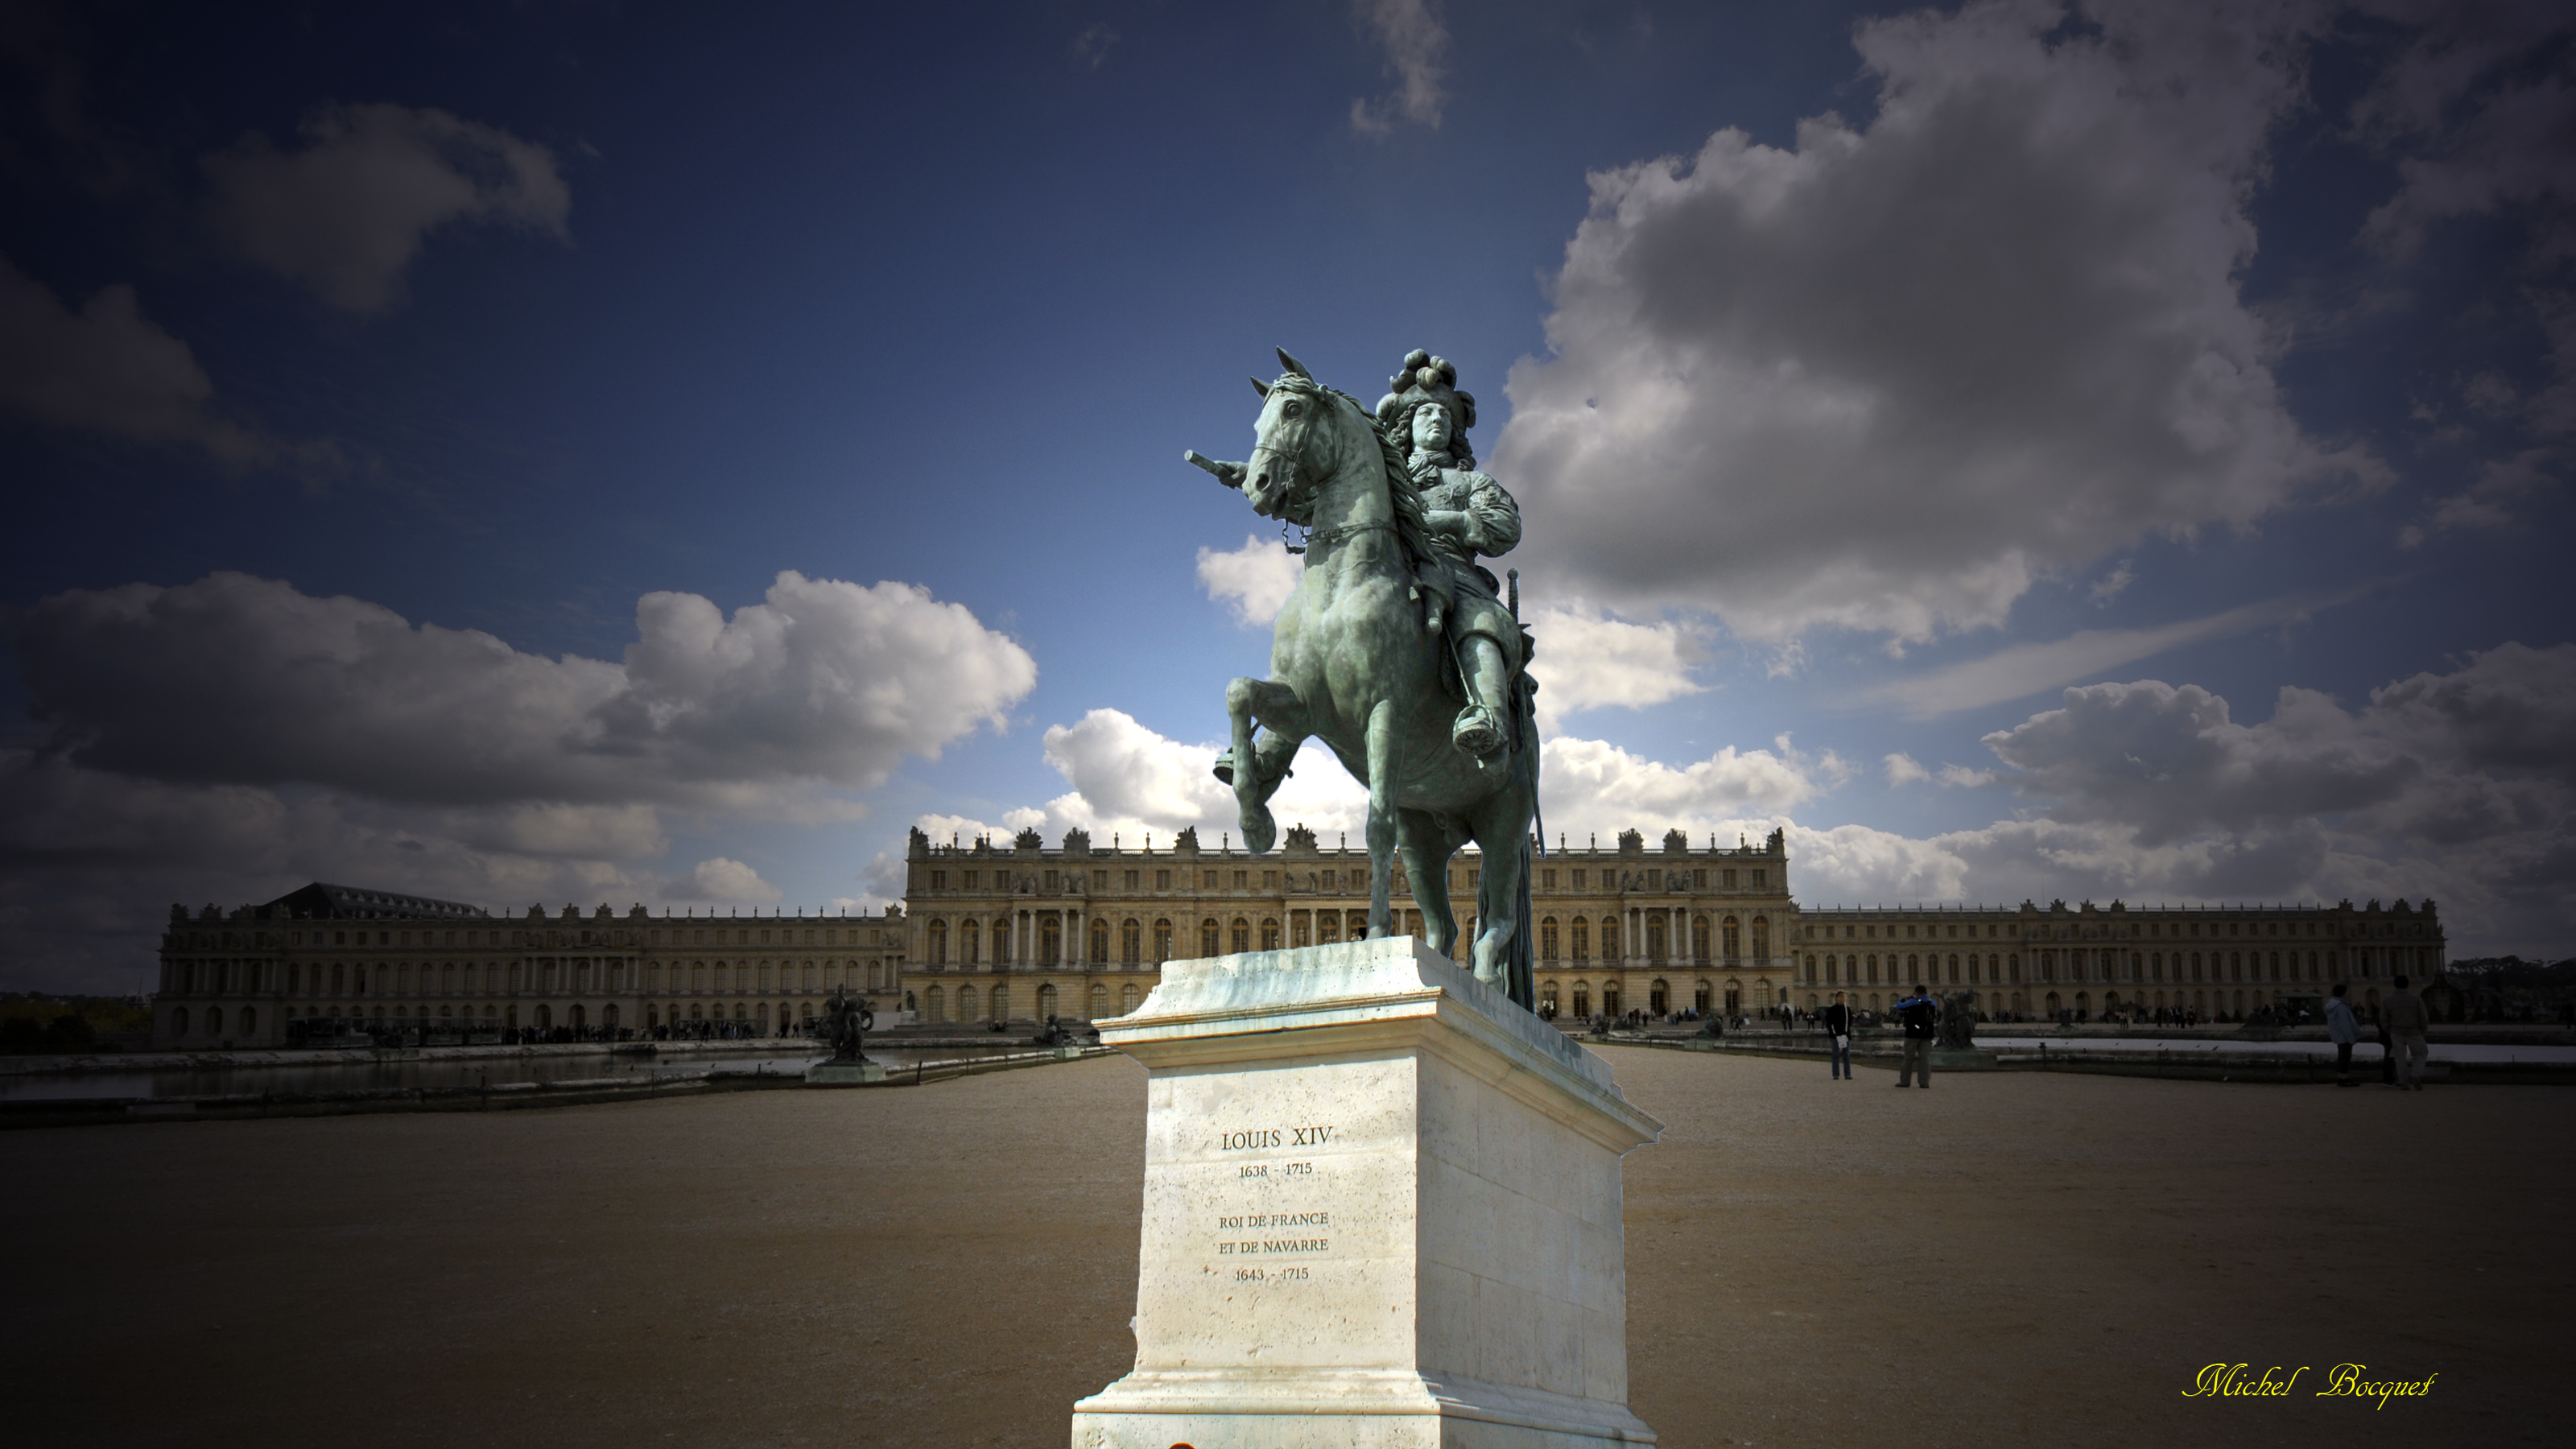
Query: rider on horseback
[{"x": 1425, "y": 419}]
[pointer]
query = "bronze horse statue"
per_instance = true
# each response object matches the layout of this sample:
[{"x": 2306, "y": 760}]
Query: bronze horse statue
[{"x": 1358, "y": 660}]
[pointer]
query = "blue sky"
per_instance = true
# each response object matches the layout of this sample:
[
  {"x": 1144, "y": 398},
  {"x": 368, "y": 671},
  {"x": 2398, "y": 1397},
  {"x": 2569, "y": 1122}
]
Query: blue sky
[{"x": 575, "y": 453}]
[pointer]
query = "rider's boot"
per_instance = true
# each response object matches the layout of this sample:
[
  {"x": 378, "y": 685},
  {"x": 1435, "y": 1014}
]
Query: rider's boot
[{"x": 1479, "y": 730}]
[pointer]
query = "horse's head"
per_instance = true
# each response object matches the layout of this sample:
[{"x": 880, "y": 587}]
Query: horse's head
[{"x": 1290, "y": 453}]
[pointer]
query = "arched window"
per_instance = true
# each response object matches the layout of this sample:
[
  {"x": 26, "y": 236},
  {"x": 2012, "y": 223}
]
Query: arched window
[
  {"x": 1099, "y": 1004},
  {"x": 1328, "y": 927},
  {"x": 179, "y": 1022},
  {"x": 1583, "y": 998},
  {"x": 1811, "y": 969},
  {"x": 1100, "y": 943},
  {"x": 1002, "y": 954},
  {"x": 934, "y": 946},
  {"x": 966, "y": 1004},
  {"x": 249, "y": 1020},
  {"x": 934, "y": 1005},
  {"x": 1131, "y": 942},
  {"x": 1208, "y": 938},
  {"x": 1050, "y": 939},
  {"x": 1162, "y": 941},
  {"x": 1241, "y": 936},
  {"x": 1582, "y": 946},
  {"x": 1547, "y": 940},
  {"x": 1046, "y": 1001},
  {"x": 1699, "y": 938},
  {"x": 970, "y": 942},
  {"x": 1269, "y": 934},
  {"x": 1609, "y": 952},
  {"x": 1730, "y": 938},
  {"x": 1547, "y": 994},
  {"x": 1762, "y": 938},
  {"x": 1655, "y": 935}
]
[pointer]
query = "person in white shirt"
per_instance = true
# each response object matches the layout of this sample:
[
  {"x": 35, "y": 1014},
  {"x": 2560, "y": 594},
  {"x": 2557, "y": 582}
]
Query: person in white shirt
[{"x": 2343, "y": 1031}]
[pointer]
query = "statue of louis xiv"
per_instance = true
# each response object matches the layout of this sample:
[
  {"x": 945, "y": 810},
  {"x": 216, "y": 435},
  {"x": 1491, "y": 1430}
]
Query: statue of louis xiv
[{"x": 1466, "y": 513}]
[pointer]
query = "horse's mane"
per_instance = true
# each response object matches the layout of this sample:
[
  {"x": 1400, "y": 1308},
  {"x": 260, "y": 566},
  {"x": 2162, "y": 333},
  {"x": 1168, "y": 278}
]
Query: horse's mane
[{"x": 1401, "y": 491}]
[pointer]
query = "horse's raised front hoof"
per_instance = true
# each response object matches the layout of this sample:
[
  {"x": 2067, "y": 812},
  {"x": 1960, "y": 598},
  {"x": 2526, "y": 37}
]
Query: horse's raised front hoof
[{"x": 1259, "y": 830}]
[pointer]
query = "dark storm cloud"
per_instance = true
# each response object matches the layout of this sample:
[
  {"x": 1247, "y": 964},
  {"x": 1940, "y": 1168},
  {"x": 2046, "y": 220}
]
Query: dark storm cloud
[
  {"x": 109, "y": 369},
  {"x": 234, "y": 679},
  {"x": 346, "y": 215},
  {"x": 2479, "y": 753}
]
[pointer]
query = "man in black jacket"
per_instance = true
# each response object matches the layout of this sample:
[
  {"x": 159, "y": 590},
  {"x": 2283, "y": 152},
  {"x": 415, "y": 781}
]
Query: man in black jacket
[
  {"x": 1922, "y": 1018},
  {"x": 1837, "y": 1022}
]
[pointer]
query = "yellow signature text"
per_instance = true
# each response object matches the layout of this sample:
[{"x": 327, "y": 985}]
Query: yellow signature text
[
  {"x": 2229, "y": 1381},
  {"x": 2343, "y": 1381}
]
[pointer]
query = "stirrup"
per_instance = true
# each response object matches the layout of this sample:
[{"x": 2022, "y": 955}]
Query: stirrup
[
  {"x": 1224, "y": 768},
  {"x": 1479, "y": 731}
]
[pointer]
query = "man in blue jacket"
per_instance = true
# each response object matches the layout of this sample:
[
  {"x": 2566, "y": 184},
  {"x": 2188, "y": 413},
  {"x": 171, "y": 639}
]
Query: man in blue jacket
[{"x": 1922, "y": 1018}]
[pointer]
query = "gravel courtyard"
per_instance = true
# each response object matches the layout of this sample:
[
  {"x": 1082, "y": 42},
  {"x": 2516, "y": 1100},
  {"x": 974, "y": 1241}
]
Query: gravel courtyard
[{"x": 2010, "y": 1258}]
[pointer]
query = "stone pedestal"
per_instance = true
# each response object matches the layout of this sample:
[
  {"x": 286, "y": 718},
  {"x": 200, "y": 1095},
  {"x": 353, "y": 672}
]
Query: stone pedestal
[
  {"x": 838, "y": 1073},
  {"x": 1382, "y": 1208}
]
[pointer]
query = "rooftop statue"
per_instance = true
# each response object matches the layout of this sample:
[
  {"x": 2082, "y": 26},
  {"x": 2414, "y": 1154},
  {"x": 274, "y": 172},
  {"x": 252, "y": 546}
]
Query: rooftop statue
[{"x": 1397, "y": 649}]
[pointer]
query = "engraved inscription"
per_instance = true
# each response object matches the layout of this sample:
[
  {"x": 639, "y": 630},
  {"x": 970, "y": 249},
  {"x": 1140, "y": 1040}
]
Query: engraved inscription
[
  {"x": 1260, "y": 1137},
  {"x": 1274, "y": 1234}
]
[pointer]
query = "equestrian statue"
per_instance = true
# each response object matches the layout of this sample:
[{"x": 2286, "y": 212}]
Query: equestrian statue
[{"x": 1397, "y": 649}]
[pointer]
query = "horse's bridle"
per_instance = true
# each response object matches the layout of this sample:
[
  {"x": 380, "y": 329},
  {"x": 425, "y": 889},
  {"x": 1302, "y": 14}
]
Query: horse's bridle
[{"x": 1297, "y": 489}]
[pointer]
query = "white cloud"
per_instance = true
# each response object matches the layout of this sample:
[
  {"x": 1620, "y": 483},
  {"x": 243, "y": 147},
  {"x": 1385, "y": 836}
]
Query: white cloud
[
  {"x": 1960, "y": 777},
  {"x": 1131, "y": 781},
  {"x": 346, "y": 215},
  {"x": 1593, "y": 787},
  {"x": 1416, "y": 43},
  {"x": 726, "y": 882},
  {"x": 1254, "y": 581},
  {"x": 1888, "y": 378},
  {"x": 1586, "y": 659},
  {"x": 109, "y": 369},
  {"x": 232, "y": 738},
  {"x": 2110, "y": 586},
  {"x": 1902, "y": 770},
  {"x": 234, "y": 679},
  {"x": 2022, "y": 670}
]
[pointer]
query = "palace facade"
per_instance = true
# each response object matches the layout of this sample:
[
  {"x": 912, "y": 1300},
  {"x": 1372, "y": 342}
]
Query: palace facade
[
  {"x": 1020, "y": 932},
  {"x": 328, "y": 959}
]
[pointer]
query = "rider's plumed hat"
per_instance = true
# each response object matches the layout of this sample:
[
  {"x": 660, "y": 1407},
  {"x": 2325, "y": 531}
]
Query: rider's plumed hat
[{"x": 1426, "y": 379}]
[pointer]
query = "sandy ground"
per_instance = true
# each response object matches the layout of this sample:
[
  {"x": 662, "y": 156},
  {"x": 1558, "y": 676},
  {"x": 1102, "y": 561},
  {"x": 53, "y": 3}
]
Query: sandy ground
[{"x": 2009, "y": 1258}]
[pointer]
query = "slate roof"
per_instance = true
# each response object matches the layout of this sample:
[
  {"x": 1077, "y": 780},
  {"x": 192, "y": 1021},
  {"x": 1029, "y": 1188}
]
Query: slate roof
[{"x": 324, "y": 901}]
